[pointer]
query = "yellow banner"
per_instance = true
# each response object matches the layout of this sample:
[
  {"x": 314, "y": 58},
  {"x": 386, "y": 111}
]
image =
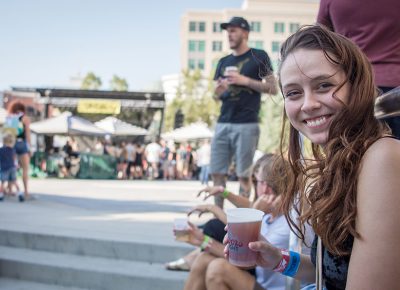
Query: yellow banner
[{"x": 95, "y": 106}]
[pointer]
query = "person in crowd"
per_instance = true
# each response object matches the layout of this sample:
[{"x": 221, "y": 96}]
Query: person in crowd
[
  {"x": 152, "y": 153},
  {"x": 203, "y": 161},
  {"x": 8, "y": 169},
  {"x": 165, "y": 159},
  {"x": 138, "y": 161},
  {"x": 348, "y": 189},
  {"x": 17, "y": 113},
  {"x": 210, "y": 270},
  {"x": 130, "y": 159},
  {"x": 240, "y": 78},
  {"x": 180, "y": 160},
  {"x": 376, "y": 31},
  {"x": 122, "y": 160}
]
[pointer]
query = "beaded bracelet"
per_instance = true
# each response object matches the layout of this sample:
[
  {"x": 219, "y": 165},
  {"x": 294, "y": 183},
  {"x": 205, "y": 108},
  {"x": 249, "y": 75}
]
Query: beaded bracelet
[{"x": 289, "y": 264}]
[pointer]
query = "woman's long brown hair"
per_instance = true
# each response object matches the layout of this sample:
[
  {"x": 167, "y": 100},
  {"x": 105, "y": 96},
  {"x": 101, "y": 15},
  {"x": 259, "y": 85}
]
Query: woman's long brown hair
[{"x": 324, "y": 189}]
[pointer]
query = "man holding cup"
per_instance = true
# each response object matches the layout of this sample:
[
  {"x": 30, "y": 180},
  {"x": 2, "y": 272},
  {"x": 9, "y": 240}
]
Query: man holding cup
[{"x": 241, "y": 78}]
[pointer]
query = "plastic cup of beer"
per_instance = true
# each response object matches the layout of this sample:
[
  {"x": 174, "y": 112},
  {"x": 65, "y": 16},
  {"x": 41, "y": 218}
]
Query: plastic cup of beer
[
  {"x": 229, "y": 70},
  {"x": 181, "y": 229},
  {"x": 244, "y": 226}
]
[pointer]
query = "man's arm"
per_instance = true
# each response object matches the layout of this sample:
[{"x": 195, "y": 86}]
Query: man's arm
[{"x": 266, "y": 85}]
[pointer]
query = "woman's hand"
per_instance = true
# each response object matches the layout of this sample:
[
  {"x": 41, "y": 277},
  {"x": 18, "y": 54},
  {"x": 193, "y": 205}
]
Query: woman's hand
[
  {"x": 268, "y": 203},
  {"x": 203, "y": 208},
  {"x": 268, "y": 256},
  {"x": 211, "y": 191}
]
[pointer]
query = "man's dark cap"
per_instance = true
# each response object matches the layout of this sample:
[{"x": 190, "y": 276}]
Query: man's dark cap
[{"x": 237, "y": 22}]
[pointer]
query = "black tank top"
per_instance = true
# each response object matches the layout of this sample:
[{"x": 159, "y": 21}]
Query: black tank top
[{"x": 334, "y": 268}]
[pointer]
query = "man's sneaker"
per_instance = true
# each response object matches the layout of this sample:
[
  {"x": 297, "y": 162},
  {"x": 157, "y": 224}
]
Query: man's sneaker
[{"x": 21, "y": 197}]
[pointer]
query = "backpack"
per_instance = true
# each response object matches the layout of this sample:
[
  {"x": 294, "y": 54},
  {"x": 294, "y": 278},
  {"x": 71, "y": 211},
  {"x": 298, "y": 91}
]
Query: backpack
[{"x": 13, "y": 125}]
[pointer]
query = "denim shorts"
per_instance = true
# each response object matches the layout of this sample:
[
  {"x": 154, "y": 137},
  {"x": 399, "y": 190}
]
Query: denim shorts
[
  {"x": 21, "y": 147},
  {"x": 234, "y": 142},
  {"x": 9, "y": 175}
]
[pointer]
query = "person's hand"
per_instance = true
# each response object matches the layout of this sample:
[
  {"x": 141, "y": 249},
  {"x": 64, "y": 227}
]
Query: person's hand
[
  {"x": 221, "y": 86},
  {"x": 203, "y": 208},
  {"x": 211, "y": 191},
  {"x": 268, "y": 203},
  {"x": 196, "y": 236},
  {"x": 268, "y": 256},
  {"x": 235, "y": 78}
]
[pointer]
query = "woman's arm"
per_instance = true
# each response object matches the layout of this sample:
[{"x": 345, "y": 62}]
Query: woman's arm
[
  {"x": 375, "y": 255},
  {"x": 237, "y": 200},
  {"x": 26, "y": 122}
]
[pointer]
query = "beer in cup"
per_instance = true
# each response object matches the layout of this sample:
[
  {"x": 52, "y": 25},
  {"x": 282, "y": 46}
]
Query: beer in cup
[
  {"x": 244, "y": 226},
  {"x": 181, "y": 229},
  {"x": 229, "y": 70}
]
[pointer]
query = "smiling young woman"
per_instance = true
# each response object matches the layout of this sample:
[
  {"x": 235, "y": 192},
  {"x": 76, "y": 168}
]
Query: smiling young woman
[{"x": 348, "y": 191}]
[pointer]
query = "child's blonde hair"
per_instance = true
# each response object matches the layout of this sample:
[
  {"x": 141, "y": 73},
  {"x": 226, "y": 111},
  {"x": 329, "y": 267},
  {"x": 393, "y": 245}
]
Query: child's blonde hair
[{"x": 9, "y": 140}]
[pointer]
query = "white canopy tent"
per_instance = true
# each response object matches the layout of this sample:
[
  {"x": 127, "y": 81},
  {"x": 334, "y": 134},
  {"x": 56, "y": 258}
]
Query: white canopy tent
[
  {"x": 194, "y": 131},
  {"x": 67, "y": 124},
  {"x": 117, "y": 127}
]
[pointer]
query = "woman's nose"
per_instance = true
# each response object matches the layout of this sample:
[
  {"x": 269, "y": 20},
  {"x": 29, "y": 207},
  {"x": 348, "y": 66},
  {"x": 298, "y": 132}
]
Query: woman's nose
[{"x": 311, "y": 102}]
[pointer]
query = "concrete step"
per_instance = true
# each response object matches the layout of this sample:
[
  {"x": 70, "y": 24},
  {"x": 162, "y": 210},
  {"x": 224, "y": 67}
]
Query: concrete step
[
  {"x": 86, "y": 272},
  {"x": 113, "y": 249},
  {"x": 13, "y": 284}
]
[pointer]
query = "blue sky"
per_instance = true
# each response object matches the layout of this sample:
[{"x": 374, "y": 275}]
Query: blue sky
[{"x": 45, "y": 42}]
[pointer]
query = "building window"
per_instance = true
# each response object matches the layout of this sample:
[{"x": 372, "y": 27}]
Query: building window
[
  {"x": 192, "y": 26},
  {"x": 259, "y": 44},
  {"x": 201, "y": 45},
  {"x": 255, "y": 26},
  {"x": 275, "y": 46},
  {"x": 192, "y": 45},
  {"x": 200, "y": 64},
  {"x": 217, "y": 27},
  {"x": 294, "y": 27},
  {"x": 197, "y": 45},
  {"x": 217, "y": 46},
  {"x": 279, "y": 27},
  {"x": 215, "y": 63},
  {"x": 202, "y": 26},
  {"x": 191, "y": 63}
]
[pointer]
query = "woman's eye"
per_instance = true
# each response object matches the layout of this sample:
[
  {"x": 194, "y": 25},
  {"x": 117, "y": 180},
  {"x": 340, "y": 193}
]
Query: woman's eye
[
  {"x": 292, "y": 94},
  {"x": 324, "y": 86}
]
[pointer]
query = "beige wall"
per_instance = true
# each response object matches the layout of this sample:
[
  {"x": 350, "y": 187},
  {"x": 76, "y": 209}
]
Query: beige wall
[{"x": 267, "y": 12}]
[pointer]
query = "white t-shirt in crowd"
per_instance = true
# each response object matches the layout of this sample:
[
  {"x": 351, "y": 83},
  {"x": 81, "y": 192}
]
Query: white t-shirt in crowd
[
  {"x": 153, "y": 151},
  {"x": 204, "y": 155}
]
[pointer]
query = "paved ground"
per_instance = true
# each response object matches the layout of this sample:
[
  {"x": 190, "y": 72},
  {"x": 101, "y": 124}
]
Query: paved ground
[{"x": 109, "y": 209}]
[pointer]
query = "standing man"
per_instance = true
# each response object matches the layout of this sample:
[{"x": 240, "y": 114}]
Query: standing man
[{"x": 241, "y": 78}]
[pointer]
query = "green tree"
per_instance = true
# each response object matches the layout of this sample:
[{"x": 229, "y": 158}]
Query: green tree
[
  {"x": 194, "y": 98},
  {"x": 91, "y": 82},
  {"x": 118, "y": 84},
  {"x": 271, "y": 123}
]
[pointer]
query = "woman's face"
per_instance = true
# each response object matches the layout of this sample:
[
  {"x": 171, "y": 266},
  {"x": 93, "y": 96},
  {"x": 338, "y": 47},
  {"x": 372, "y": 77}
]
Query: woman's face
[{"x": 308, "y": 82}]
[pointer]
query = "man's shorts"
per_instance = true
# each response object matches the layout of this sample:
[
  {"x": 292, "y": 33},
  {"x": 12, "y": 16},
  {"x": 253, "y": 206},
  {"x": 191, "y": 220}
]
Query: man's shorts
[
  {"x": 237, "y": 142},
  {"x": 9, "y": 175}
]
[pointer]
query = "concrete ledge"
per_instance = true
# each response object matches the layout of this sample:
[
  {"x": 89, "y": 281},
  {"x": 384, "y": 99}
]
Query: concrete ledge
[
  {"x": 86, "y": 272},
  {"x": 134, "y": 251}
]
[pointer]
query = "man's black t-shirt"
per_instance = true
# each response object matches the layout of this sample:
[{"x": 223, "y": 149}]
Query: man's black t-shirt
[{"x": 241, "y": 104}]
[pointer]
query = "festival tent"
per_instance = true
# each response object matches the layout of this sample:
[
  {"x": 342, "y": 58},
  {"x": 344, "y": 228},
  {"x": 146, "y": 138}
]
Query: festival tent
[
  {"x": 193, "y": 131},
  {"x": 117, "y": 127},
  {"x": 67, "y": 124}
]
